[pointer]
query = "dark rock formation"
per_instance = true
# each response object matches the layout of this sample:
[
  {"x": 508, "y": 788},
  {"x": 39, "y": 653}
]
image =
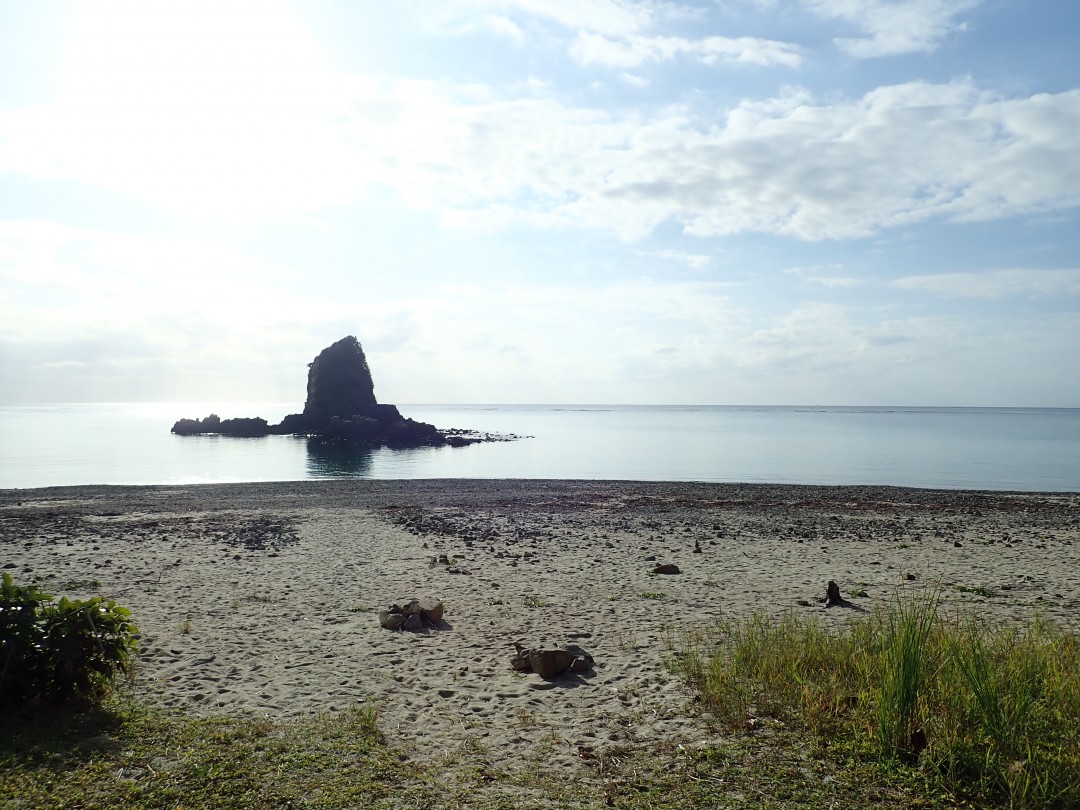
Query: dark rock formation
[
  {"x": 247, "y": 427},
  {"x": 250, "y": 426},
  {"x": 341, "y": 409},
  {"x": 552, "y": 662},
  {"x": 413, "y": 615},
  {"x": 192, "y": 427},
  {"x": 832, "y": 594},
  {"x": 339, "y": 384}
]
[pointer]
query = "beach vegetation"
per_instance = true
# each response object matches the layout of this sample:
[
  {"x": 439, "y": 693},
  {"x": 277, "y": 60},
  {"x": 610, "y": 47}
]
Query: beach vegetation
[
  {"x": 972, "y": 714},
  {"x": 78, "y": 584},
  {"x": 657, "y": 595},
  {"x": 52, "y": 650},
  {"x": 985, "y": 713},
  {"x": 669, "y": 638},
  {"x": 976, "y": 590},
  {"x": 123, "y": 754},
  {"x": 532, "y": 601},
  {"x": 524, "y": 718}
]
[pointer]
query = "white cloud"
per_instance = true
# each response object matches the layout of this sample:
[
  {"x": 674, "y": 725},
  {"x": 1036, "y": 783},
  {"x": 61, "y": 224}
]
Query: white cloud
[
  {"x": 787, "y": 165},
  {"x": 826, "y": 276},
  {"x": 813, "y": 336},
  {"x": 554, "y": 343},
  {"x": 895, "y": 26},
  {"x": 590, "y": 49},
  {"x": 695, "y": 261},
  {"x": 175, "y": 331},
  {"x": 618, "y": 18},
  {"x": 896, "y": 156},
  {"x": 996, "y": 284},
  {"x": 516, "y": 343},
  {"x": 813, "y": 269},
  {"x": 443, "y": 19},
  {"x": 624, "y": 34},
  {"x": 173, "y": 311},
  {"x": 502, "y": 26},
  {"x": 59, "y": 280},
  {"x": 837, "y": 282},
  {"x": 634, "y": 80}
]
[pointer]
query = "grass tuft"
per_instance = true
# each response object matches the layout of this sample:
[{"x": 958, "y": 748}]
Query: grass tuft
[
  {"x": 977, "y": 590},
  {"x": 988, "y": 713},
  {"x": 904, "y": 660}
]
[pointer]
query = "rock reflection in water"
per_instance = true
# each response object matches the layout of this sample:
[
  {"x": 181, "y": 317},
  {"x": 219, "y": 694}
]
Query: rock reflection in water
[{"x": 338, "y": 460}]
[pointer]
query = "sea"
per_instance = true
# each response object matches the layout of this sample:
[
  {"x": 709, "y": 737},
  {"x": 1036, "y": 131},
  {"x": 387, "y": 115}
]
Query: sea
[{"x": 1021, "y": 449}]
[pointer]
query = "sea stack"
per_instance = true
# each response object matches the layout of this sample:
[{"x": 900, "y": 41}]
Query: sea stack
[
  {"x": 339, "y": 383},
  {"x": 340, "y": 408}
]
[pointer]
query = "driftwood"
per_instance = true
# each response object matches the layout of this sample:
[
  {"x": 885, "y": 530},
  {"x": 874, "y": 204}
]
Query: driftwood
[
  {"x": 832, "y": 594},
  {"x": 834, "y": 599}
]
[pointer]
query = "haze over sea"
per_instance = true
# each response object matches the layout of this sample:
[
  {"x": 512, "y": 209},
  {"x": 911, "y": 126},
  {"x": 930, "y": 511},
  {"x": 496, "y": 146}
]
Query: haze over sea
[{"x": 1029, "y": 449}]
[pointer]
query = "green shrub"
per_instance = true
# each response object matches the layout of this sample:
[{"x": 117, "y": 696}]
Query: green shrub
[{"x": 55, "y": 650}]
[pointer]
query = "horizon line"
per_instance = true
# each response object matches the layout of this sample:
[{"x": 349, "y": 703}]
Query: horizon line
[{"x": 226, "y": 402}]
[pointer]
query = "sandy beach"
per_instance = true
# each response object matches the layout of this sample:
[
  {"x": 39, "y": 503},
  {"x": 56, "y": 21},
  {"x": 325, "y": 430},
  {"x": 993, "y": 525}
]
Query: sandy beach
[{"x": 263, "y": 599}]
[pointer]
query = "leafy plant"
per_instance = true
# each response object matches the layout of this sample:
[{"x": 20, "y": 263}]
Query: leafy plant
[
  {"x": 532, "y": 601},
  {"x": 56, "y": 650},
  {"x": 977, "y": 590},
  {"x": 658, "y": 595},
  {"x": 79, "y": 584}
]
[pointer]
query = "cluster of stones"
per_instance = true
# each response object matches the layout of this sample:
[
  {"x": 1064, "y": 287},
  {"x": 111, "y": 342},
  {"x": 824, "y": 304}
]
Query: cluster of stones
[
  {"x": 413, "y": 615},
  {"x": 550, "y": 663}
]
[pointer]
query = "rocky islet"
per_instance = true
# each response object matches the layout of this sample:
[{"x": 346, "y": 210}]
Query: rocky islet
[{"x": 341, "y": 408}]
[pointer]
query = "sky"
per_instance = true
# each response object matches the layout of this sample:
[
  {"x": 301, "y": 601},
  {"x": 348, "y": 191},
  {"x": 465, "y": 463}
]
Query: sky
[{"x": 813, "y": 202}]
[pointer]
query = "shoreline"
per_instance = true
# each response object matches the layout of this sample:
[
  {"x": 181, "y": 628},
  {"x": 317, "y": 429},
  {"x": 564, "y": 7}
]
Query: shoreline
[
  {"x": 262, "y": 599},
  {"x": 359, "y": 486}
]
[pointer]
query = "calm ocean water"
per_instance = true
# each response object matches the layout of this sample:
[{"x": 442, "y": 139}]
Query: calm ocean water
[{"x": 1028, "y": 449}]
